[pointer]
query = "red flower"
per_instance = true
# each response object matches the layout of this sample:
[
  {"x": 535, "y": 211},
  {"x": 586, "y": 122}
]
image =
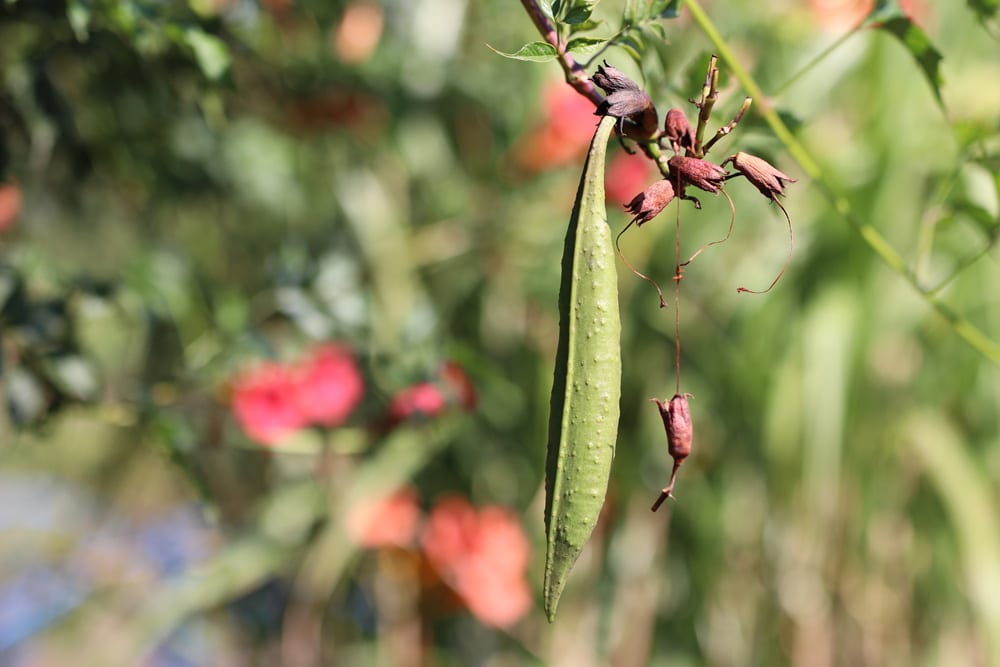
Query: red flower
[
  {"x": 420, "y": 399},
  {"x": 329, "y": 385},
  {"x": 265, "y": 405},
  {"x": 10, "y": 205},
  {"x": 483, "y": 556},
  {"x": 429, "y": 399},
  {"x": 458, "y": 385},
  {"x": 565, "y": 134},
  {"x": 390, "y": 521},
  {"x": 626, "y": 175}
]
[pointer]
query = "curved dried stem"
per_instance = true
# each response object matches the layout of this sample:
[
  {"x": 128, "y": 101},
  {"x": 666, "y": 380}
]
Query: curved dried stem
[
  {"x": 726, "y": 129},
  {"x": 621, "y": 255},
  {"x": 788, "y": 260},
  {"x": 668, "y": 492},
  {"x": 732, "y": 222}
]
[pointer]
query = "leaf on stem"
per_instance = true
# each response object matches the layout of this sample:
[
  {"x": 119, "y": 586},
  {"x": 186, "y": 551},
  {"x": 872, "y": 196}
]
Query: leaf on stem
[
  {"x": 586, "y": 46},
  {"x": 535, "y": 52},
  {"x": 889, "y": 16}
]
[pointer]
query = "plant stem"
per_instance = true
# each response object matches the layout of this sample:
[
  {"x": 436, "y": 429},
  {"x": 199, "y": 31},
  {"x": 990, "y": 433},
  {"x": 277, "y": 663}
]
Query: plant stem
[
  {"x": 576, "y": 75},
  {"x": 869, "y": 234}
]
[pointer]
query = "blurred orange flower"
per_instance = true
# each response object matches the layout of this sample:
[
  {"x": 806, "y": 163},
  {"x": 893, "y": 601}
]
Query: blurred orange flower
[
  {"x": 390, "y": 521},
  {"x": 483, "y": 555}
]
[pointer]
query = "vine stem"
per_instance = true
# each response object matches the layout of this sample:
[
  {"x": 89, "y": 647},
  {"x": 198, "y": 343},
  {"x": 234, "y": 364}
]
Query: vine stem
[
  {"x": 965, "y": 329},
  {"x": 677, "y": 302},
  {"x": 576, "y": 75}
]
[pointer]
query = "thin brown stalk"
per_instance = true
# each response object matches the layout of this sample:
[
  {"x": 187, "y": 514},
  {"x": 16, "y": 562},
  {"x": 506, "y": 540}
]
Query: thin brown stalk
[
  {"x": 621, "y": 255},
  {"x": 732, "y": 222},
  {"x": 788, "y": 260}
]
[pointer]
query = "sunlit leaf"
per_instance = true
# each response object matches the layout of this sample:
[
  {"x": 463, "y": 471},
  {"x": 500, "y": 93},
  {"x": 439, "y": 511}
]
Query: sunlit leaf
[
  {"x": 985, "y": 8},
  {"x": 535, "y": 52},
  {"x": 890, "y": 17},
  {"x": 665, "y": 9},
  {"x": 211, "y": 53},
  {"x": 585, "y": 45},
  {"x": 578, "y": 14}
]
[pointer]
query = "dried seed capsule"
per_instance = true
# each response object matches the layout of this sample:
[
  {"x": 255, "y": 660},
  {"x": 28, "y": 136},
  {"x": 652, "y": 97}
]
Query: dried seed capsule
[
  {"x": 762, "y": 175},
  {"x": 627, "y": 102},
  {"x": 677, "y": 128},
  {"x": 702, "y": 174},
  {"x": 676, "y": 415},
  {"x": 647, "y": 204}
]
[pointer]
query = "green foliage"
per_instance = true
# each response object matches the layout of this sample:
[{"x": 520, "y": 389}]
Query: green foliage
[{"x": 199, "y": 187}]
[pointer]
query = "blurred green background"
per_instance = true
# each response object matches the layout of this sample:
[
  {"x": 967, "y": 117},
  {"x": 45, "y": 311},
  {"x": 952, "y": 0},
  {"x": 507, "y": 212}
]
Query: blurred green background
[{"x": 191, "y": 188}]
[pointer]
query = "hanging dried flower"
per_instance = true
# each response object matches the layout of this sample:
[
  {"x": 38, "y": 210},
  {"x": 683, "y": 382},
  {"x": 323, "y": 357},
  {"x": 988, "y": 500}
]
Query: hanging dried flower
[
  {"x": 677, "y": 128},
  {"x": 762, "y": 175},
  {"x": 647, "y": 204},
  {"x": 700, "y": 173}
]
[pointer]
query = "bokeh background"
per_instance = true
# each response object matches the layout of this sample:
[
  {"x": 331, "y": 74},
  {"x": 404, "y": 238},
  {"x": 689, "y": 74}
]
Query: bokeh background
[{"x": 279, "y": 312}]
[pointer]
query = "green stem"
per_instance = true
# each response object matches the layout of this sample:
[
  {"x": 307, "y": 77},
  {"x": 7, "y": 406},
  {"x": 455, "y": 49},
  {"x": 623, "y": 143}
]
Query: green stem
[
  {"x": 869, "y": 234},
  {"x": 817, "y": 60}
]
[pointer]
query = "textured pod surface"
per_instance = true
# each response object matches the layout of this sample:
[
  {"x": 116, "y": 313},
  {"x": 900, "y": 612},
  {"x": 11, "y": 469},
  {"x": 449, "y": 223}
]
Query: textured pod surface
[{"x": 583, "y": 422}]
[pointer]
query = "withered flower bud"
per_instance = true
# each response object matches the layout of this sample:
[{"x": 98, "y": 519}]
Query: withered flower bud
[
  {"x": 697, "y": 172},
  {"x": 611, "y": 79},
  {"x": 769, "y": 181},
  {"x": 647, "y": 204},
  {"x": 627, "y": 102},
  {"x": 676, "y": 415},
  {"x": 677, "y": 128}
]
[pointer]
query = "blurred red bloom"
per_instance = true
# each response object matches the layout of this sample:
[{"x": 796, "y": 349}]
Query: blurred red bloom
[
  {"x": 458, "y": 385},
  {"x": 421, "y": 399},
  {"x": 429, "y": 399},
  {"x": 563, "y": 136},
  {"x": 264, "y": 403},
  {"x": 328, "y": 385},
  {"x": 10, "y": 205},
  {"x": 483, "y": 556},
  {"x": 626, "y": 176},
  {"x": 390, "y": 521},
  {"x": 842, "y": 14}
]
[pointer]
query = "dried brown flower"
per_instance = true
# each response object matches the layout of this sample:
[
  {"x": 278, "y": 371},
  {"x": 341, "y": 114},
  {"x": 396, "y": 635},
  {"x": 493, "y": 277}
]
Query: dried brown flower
[
  {"x": 677, "y": 128},
  {"x": 647, "y": 204},
  {"x": 676, "y": 415},
  {"x": 762, "y": 175},
  {"x": 627, "y": 102},
  {"x": 700, "y": 173}
]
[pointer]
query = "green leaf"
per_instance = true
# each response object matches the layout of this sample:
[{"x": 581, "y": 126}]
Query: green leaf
[
  {"x": 578, "y": 14},
  {"x": 586, "y": 45},
  {"x": 78, "y": 14},
  {"x": 665, "y": 9},
  {"x": 211, "y": 53},
  {"x": 586, "y": 388},
  {"x": 890, "y": 17},
  {"x": 984, "y": 9},
  {"x": 535, "y": 52},
  {"x": 589, "y": 24}
]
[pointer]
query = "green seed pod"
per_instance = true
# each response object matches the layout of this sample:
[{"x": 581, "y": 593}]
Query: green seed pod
[{"x": 583, "y": 422}]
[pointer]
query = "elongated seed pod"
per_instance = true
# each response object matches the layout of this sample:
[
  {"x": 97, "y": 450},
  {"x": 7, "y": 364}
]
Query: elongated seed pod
[{"x": 583, "y": 421}]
